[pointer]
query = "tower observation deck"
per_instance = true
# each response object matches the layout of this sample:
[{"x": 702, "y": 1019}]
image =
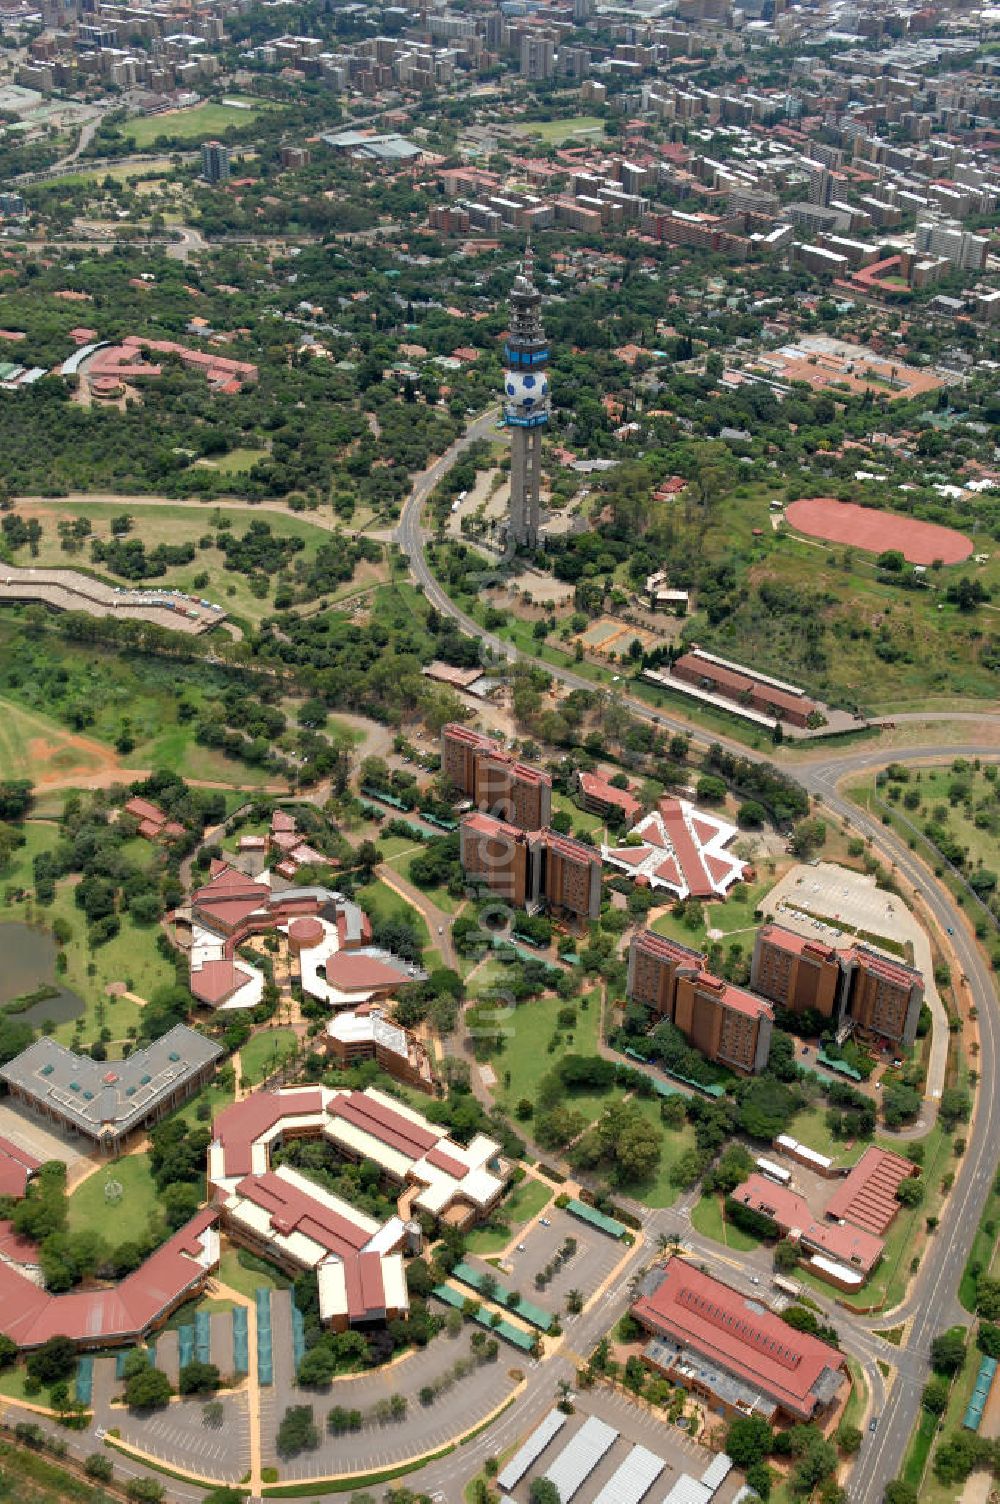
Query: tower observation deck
[{"x": 526, "y": 405}]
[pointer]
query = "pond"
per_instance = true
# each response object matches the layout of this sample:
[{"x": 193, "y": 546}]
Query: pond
[{"x": 27, "y": 961}]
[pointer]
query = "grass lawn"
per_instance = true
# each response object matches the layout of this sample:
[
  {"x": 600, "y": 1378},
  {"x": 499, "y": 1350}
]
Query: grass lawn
[
  {"x": 195, "y": 124},
  {"x": 734, "y": 917},
  {"x": 120, "y": 171},
  {"x": 380, "y": 902},
  {"x": 236, "y": 462},
  {"x": 439, "y": 897},
  {"x": 262, "y": 1053},
  {"x": 809, "y": 1127},
  {"x": 90, "y": 1210},
  {"x": 174, "y": 525},
  {"x": 246, "y": 1281},
  {"x": 215, "y": 1095},
  {"x": 524, "y": 1202},
  {"x": 526, "y": 1053},
  {"x": 707, "y": 1218},
  {"x": 582, "y": 819},
  {"x": 555, "y": 132},
  {"x": 855, "y": 1407},
  {"x": 658, "y": 1191}
]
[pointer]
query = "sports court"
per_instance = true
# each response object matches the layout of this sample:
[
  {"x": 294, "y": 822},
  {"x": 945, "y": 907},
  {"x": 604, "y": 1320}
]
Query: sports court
[{"x": 865, "y": 527}]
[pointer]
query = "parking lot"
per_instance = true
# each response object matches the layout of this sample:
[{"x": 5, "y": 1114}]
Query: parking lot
[
  {"x": 811, "y": 900},
  {"x": 596, "y": 1255},
  {"x": 636, "y": 1426},
  {"x": 40, "y": 1138},
  {"x": 424, "y": 1426}
]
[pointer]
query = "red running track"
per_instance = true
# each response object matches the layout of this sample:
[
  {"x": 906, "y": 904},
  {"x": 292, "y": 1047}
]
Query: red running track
[{"x": 864, "y": 527}]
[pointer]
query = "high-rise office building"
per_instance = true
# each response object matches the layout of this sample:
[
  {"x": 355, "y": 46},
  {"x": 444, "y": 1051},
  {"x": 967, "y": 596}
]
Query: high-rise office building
[{"x": 215, "y": 162}]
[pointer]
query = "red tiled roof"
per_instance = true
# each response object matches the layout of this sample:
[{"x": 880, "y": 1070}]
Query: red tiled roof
[
  {"x": 239, "y": 1126},
  {"x": 142, "y": 809},
  {"x": 596, "y": 787},
  {"x": 867, "y": 1195},
  {"x": 720, "y": 1324},
  {"x": 350, "y": 971},
  {"x": 777, "y": 935},
  {"x": 16, "y": 1168},
  {"x": 94, "y": 1318},
  {"x": 15, "y": 1247},
  {"x": 687, "y": 852},
  {"x": 382, "y": 1123},
  {"x": 439, "y": 1160},
  {"x": 848, "y": 1245},
  {"x": 294, "y": 1210},
  {"x": 215, "y": 981}
]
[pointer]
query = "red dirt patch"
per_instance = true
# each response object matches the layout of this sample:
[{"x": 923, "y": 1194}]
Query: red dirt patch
[{"x": 864, "y": 527}]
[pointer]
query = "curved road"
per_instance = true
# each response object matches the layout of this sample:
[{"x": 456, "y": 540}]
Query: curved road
[{"x": 931, "y": 1303}]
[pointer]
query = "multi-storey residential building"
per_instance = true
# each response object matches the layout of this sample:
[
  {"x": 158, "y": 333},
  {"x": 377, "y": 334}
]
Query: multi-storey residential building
[
  {"x": 726, "y": 1023},
  {"x": 215, "y": 162},
  {"x": 796, "y": 972},
  {"x": 481, "y": 769},
  {"x": 532, "y": 867},
  {"x": 879, "y": 995}
]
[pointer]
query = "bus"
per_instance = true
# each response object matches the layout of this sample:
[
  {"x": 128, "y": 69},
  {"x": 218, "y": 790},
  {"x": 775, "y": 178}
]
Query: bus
[
  {"x": 787, "y": 1286},
  {"x": 774, "y": 1172}
]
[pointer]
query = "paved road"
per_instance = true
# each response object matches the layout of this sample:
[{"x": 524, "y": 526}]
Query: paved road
[{"x": 931, "y": 1301}]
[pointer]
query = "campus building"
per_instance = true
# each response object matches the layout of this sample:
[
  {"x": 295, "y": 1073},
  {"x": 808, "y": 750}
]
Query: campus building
[
  {"x": 328, "y": 936},
  {"x": 732, "y": 681},
  {"x": 531, "y": 868},
  {"x": 106, "y": 1101},
  {"x": 682, "y": 849},
  {"x": 294, "y": 1222},
  {"x": 879, "y": 995},
  {"x": 599, "y": 797},
  {"x": 726, "y": 1023},
  {"x": 795, "y": 972},
  {"x": 119, "y": 1315},
  {"x": 366, "y": 1034},
  {"x": 839, "y": 1252},
  {"x": 727, "y": 1347},
  {"x": 481, "y": 770}
]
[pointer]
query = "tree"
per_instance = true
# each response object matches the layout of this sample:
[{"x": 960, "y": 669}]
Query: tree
[
  {"x": 988, "y": 1339},
  {"x": 749, "y": 1440},
  {"x": 786, "y": 1256},
  {"x": 144, "y": 1491},
  {"x": 900, "y": 1492},
  {"x": 100, "y": 1467},
  {"x": 54, "y": 1360},
  {"x": 848, "y": 1439},
  {"x": 808, "y": 836},
  {"x": 8, "y": 1351},
  {"x": 297, "y": 1431},
  {"x": 948, "y": 1351},
  {"x": 199, "y": 1378},
  {"x": 542, "y": 1491},
  {"x": 148, "y": 1390},
  {"x": 935, "y": 1396}
]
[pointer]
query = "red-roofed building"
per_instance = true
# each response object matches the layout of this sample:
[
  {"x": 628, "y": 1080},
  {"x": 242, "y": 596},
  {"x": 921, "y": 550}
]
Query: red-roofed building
[
  {"x": 881, "y": 995},
  {"x": 852, "y": 1247},
  {"x": 16, "y": 1169},
  {"x": 733, "y": 682},
  {"x": 866, "y": 1198},
  {"x": 795, "y": 971},
  {"x": 726, "y": 1023},
  {"x": 486, "y": 773},
  {"x": 121, "y": 1314},
  {"x": 602, "y": 798},
  {"x": 719, "y": 1343}
]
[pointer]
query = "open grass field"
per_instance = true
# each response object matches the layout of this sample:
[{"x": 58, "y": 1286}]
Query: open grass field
[
  {"x": 236, "y": 462},
  {"x": 263, "y": 1053},
  {"x": 440, "y": 897},
  {"x": 199, "y": 123},
  {"x": 526, "y": 1054},
  {"x": 34, "y": 746},
  {"x": 380, "y": 902},
  {"x": 555, "y": 132},
  {"x": 119, "y": 171},
  {"x": 90, "y": 1210},
  {"x": 707, "y": 1218},
  {"x": 733, "y": 918},
  {"x": 657, "y": 1191}
]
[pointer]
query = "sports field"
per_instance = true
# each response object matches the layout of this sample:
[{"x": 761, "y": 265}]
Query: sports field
[
  {"x": 868, "y": 528},
  {"x": 196, "y": 124},
  {"x": 33, "y": 746},
  {"x": 555, "y": 132}
]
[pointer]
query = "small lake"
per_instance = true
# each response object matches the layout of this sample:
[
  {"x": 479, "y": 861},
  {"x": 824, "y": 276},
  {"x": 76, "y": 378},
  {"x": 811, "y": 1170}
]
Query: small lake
[{"x": 27, "y": 960}]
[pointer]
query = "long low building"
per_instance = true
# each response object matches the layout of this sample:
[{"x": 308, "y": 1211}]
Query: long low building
[
  {"x": 118, "y": 1315},
  {"x": 731, "y": 1349},
  {"x": 286, "y": 1217},
  {"x": 105, "y": 1101},
  {"x": 847, "y": 1254}
]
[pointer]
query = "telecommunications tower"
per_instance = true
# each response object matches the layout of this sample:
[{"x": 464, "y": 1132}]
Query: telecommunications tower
[{"x": 526, "y": 405}]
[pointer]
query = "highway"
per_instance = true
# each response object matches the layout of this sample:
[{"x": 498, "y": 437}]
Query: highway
[{"x": 931, "y": 1303}]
